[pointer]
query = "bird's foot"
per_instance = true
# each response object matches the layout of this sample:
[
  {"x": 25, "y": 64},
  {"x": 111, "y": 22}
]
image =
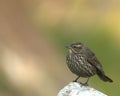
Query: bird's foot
[
  {"x": 84, "y": 84},
  {"x": 74, "y": 81}
]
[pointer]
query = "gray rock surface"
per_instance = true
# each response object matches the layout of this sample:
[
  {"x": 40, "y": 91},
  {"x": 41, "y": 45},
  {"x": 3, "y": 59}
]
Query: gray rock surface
[{"x": 77, "y": 89}]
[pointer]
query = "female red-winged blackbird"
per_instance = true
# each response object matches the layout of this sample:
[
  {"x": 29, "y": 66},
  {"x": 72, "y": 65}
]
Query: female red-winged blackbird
[{"x": 83, "y": 62}]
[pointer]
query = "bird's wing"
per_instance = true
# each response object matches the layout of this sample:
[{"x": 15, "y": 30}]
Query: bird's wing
[{"x": 91, "y": 58}]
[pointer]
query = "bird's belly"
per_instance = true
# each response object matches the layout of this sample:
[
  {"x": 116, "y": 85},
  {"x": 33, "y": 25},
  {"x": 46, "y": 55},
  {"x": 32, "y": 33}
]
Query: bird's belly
[{"x": 83, "y": 69}]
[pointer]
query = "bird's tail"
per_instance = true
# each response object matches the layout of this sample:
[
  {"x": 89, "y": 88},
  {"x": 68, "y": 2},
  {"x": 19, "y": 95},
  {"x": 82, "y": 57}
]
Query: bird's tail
[{"x": 104, "y": 77}]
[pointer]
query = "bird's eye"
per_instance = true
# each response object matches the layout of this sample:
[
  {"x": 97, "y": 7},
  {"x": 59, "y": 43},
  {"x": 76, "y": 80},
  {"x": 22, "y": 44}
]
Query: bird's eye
[
  {"x": 74, "y": 46},
  {"x": 77, "y": 46}
]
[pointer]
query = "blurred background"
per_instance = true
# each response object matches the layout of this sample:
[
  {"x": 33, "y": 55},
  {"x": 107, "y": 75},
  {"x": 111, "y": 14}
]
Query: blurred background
[{"x": 33, "y": 36}]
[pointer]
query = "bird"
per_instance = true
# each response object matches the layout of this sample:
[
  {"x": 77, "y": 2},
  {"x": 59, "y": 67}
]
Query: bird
[{"x": 84, "y": 63}]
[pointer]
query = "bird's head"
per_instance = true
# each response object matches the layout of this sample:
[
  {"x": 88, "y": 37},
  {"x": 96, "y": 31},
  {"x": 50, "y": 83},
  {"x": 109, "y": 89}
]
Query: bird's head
[{"x": 75, "y": 47}]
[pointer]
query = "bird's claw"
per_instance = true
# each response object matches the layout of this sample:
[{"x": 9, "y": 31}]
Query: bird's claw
[{"x": 84, "y": 84}]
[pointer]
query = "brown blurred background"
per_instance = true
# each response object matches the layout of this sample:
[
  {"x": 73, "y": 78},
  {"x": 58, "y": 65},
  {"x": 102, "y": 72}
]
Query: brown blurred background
[{"x": 33, "y": 36}]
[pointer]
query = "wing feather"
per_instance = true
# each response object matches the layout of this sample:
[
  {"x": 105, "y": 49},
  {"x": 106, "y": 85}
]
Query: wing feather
[{"x": 92, "y": 59}]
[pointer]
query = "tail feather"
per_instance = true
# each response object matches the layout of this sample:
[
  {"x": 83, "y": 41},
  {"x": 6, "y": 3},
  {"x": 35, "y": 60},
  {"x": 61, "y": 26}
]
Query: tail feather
[{"x": 104, "y": 77}]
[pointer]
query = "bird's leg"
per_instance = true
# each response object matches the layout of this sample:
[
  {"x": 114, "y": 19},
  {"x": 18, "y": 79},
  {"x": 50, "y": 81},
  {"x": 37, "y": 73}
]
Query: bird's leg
[
  {"x": 76, "y": 79},
  {"x": 86, "y": 83}
]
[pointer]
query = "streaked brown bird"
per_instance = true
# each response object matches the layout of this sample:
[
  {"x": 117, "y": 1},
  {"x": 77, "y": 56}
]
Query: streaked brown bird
[{"x": 83, "y": 62}]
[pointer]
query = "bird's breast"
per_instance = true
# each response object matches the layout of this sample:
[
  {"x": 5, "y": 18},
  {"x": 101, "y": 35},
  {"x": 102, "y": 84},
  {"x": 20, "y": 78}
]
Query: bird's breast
[{"x": 79, "y": 65}]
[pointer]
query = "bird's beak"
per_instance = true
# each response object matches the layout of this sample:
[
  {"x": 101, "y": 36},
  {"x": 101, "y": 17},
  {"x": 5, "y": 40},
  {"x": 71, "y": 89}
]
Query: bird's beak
[{"x": 68, "y": 47}]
